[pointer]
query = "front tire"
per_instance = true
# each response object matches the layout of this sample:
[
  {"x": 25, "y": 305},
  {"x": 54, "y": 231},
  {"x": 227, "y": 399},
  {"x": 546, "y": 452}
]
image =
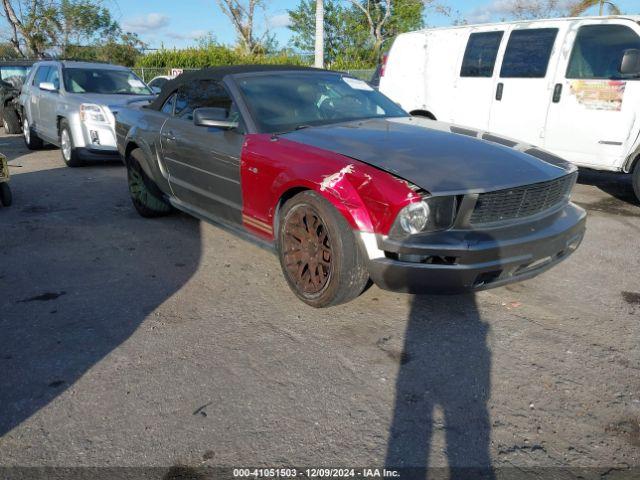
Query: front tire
[
  {"x": 5, "y": 194},
  {"x": 31, "y": 138},
  {"x": 10, "y": 120},
  {"x": 69, "y": 152},
  {"x": 319, "y": 254},
  {"x": 636, "y": 179},
  {"x": 146, "y": 196}
]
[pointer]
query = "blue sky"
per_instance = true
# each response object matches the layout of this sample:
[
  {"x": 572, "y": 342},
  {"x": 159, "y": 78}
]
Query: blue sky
[{"x": 175, "y": 23}]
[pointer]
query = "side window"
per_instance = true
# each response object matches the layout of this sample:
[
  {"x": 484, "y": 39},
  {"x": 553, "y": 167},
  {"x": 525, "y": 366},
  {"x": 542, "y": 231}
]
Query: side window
[
  {"x": 53, "y": 77},
  {"x": 598, "y": 51},
  {"x": 480, "y": 55},
  {"x": 528, "y": 53},
  {"x": 168, "y": 105},
  {"x": 201, "y": 93},
  {"x": 41, "y": 75}
]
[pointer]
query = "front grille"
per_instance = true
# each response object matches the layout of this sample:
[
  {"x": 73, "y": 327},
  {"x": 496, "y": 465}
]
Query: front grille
[{"x": 520, "y": 202}]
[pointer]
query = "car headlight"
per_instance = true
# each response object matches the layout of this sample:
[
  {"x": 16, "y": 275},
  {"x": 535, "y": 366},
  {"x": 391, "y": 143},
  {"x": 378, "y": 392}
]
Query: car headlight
[
  {"x": 427, "y": 215},
  {"x": 90, "y": 112}
]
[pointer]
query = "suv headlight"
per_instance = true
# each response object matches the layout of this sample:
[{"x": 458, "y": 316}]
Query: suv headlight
[
  {"x": 90, "y": 112},
  {"x": 428, "y": 215}
]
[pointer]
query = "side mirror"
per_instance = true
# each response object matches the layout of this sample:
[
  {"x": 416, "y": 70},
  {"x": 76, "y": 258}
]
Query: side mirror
[
  {"x": 48, "y": 87},
  {"x": 630, "y": 64},
  {"x": 213, "y": 117},
  {"x": 155, "y": 90}
]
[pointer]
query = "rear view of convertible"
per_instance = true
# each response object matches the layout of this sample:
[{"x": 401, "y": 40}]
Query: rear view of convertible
[{"x": 347, "y": 186}]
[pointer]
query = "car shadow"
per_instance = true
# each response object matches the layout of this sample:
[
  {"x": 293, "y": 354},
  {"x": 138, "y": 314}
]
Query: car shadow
[
  {"x": 618, "y": 185},
  {"x": 80, "y": 271}
]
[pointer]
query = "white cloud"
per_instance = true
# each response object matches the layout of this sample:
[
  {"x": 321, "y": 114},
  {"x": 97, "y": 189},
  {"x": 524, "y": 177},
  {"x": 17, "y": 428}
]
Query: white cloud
[
  {"x": 280, "y": 20},
  {"x": 147, "y": 23},
  {"x": 497, "y": 10},
  {"x": 187, "y": 36}
]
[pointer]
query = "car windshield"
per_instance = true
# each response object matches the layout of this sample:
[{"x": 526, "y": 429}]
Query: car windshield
[
  {"x": 281, "y": 103},
  {"x": 102, "y": 80},
  {"x": 13, "y": 71}
]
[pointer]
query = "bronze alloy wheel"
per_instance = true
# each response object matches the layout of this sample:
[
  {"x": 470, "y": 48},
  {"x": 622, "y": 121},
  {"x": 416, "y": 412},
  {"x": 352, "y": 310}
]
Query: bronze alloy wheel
[
  {"x": 318, "y": 252},
  {"x": 307, "y": 250}
]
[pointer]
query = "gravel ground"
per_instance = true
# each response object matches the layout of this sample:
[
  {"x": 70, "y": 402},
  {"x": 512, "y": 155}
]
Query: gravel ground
[{"x": 167, "y": 342}]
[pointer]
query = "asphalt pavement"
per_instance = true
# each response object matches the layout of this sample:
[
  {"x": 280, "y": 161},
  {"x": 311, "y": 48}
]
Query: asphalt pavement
[{"x": 171, "y": 342}]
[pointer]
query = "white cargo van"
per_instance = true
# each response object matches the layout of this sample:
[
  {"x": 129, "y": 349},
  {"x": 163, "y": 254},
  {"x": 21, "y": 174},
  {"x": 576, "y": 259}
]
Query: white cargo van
[{"x": 570, "y": 85}]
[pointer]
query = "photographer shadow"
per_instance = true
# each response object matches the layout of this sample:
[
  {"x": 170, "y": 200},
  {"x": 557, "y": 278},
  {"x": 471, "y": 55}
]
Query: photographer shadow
[{"x": 446, "y": 364}]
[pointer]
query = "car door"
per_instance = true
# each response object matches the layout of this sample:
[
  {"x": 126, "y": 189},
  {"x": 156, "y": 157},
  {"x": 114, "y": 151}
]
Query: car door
[
  {"x": 477, "y": 77},
  {"x": 35, "y": 94},
  {"x": 523, "y": 90},
  {"x": 47, "y": 120},
  {"x": 204, "y": 162},
  {"x": 591, "y": 118}
]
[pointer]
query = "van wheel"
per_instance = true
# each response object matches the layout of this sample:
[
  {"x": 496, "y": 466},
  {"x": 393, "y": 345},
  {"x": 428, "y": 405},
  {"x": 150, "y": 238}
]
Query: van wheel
[
  {"x": 10, "y": 120},
  {"x": 69, "y": 152},
  {"x": 31, "y": 138},
  {"x": 146, "y": 196},
  {"x": 5, "y": 194},
  {"x": 636, "y": 179},
  {"x": 319, "y": 255}
]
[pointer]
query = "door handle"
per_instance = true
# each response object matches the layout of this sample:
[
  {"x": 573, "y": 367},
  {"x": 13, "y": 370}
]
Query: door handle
[
  {"x": 499, "y": 91},
  {"x": 169, "y": 135},
  {"x": 557, "y": 93}
]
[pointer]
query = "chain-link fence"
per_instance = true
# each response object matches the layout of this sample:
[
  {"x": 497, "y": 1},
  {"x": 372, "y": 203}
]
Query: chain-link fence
[{"x": 147, "y": 74}]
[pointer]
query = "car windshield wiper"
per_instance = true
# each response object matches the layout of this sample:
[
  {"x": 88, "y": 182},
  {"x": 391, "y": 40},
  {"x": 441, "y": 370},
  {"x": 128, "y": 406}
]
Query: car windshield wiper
[{"x": 298, "y": 127}]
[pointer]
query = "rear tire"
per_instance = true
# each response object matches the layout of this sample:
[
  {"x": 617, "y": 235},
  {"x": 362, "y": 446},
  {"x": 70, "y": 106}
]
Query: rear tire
[
  {"x": 319, "y": 255},
  {"x": 69, "y": 152},
  {"x": 5, "y": 194},
  {"x": 10, "y": 120},
  {"x": 146, "y": 196},
  {"x": 636, "y": 179},
  {"x": 31, "y": 138}
]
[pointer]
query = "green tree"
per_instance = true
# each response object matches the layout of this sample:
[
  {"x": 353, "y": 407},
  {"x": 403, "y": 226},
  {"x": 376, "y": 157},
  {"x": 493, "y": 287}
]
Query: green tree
[
  {"x": 72, "y": 28},
  {"x": 336, "y": 24},
  {"x": 84, "y": 22},
  {"x": 584, "y": 5},
  {"x": 356, "y": 30}
]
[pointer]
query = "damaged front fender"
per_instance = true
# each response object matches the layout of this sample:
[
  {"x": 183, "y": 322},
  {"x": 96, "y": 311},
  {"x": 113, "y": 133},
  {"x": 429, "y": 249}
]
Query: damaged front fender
[{"x": 367, "y": 197}]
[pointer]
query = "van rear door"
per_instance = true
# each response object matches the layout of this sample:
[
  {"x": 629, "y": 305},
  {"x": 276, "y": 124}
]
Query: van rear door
[
  {"x": 591, "y": 118},
  {"x": 523, "y": 90}
]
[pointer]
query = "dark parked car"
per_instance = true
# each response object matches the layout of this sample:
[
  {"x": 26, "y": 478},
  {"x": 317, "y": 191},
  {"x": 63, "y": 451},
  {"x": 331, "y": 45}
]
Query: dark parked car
[
  {"x": 12, "y": 75},
  {"x": 346, "y": 185}
]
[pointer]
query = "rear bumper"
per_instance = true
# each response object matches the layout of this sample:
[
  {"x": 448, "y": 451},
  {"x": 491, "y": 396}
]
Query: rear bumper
[{"x": 456, "y": 261}]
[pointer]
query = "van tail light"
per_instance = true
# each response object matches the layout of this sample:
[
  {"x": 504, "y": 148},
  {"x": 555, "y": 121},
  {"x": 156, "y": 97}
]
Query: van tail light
[{"x": 383, "y": 64}]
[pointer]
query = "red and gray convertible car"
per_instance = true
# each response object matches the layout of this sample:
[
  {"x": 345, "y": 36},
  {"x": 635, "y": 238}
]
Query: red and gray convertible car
[{"x": 346, "y": 185}]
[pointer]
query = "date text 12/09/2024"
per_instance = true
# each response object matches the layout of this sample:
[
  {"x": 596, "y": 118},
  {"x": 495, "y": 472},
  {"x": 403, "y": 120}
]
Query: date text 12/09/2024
[{"x": 315, "y": 473}]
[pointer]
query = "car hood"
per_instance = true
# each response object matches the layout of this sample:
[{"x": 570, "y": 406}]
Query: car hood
[
  {"x": 114, "y": 102},
  {"x": 436, "y": 156}
]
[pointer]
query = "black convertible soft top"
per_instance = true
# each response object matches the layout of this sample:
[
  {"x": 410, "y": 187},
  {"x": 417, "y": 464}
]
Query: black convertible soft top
[{"x": 218, "y": 73}]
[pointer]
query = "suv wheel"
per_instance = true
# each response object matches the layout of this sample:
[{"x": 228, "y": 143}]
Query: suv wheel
[
  {"x": 146, "y": 196},
  {"x": 70, "y": 153},
  {"x": 319, "y": 255},
  {"x": 636, "y": 179},
  {"x": 31, "y": 138},
  {"x": 10, "y": 120}
]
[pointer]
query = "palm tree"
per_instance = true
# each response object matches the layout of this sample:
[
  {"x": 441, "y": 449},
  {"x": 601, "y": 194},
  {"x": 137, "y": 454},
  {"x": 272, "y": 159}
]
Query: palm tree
[
  {"x": 584, "y": 5},
  {"x": 319, "y": 57}
]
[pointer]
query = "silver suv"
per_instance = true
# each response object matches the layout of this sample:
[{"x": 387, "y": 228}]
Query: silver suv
[{"x": 73, "y": 105}]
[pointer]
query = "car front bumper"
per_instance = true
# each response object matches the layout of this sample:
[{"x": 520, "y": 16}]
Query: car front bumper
[
  {"x": 463, "y": 261},
  {"x": 96, "y": 140}
]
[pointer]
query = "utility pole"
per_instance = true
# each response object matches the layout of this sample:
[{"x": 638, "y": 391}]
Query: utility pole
[{"x": 319, "y": 57}]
